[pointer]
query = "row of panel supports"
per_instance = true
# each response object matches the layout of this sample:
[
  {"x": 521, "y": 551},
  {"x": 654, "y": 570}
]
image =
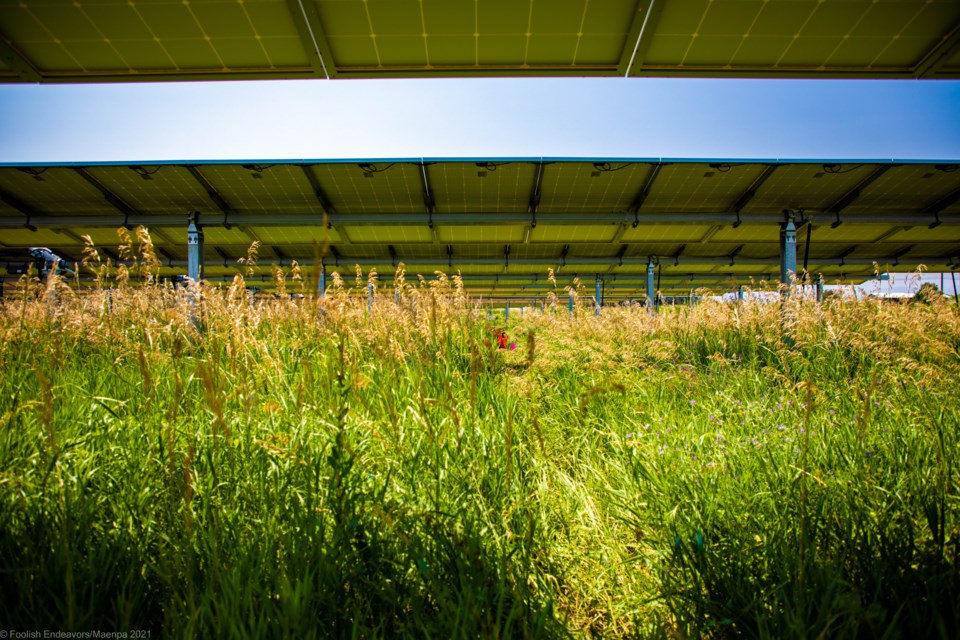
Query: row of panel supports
[{"x": 788, "y": 264}]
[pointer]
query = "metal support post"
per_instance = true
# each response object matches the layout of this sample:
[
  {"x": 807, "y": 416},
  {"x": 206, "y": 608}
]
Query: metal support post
[
  {"x": 740, "y": 293},
  {"x": 194, "y": 248},
  {"x": 651, "y": 294},
  {"x": 598, "y": 298},
  {"x": 820, "y": 288},
  {"x": 506, "y": 314},
  {"x": 322, "y": 283},
  {"x": 788, "y": 272},
  {"x": 52, "y": 299},
  {"x": 369, "y": 297},
  {"x": 194, "y": 263},
  {"x": 788, "y": 252},
  {"x": 571, "y": 303}
]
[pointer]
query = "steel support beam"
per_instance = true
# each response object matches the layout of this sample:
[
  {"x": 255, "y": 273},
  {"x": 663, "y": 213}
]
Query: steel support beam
[
  {"x": 935, "y": 208},
  {"x": 18, "y": 63},
  {"x": 842, "y": 258},
  {"x": 115, "y": 201},
  {"x": 162, "y": 235},
  {"x": 538, "y": 280},
  {"x": 318, "y": 191},
  {"x": 215, "y": 197},
  {"x": 664, "y": 249},
  {"x": 914, "y": 218},
  {"x": 939, "y": 55},
  {"x": 307, "y": 22},
  {"x": 719, "y": 261},
  {"x": 536, "y": 191},
  {"x": 642, "y": 28},
  {"x": 641, "y": 197},
  {"x": 733, "y": 254},
  {"x": 895, "y": 257},
  {"x": 618, "y": 236},
  {"x": 751, "y": 191},
  {"x": 12, "y": 201},
  {"x": 70, "y": 234},
  {"x": 31, "y": 214},
  {"x": 213, "y": 194},
  {"x": 888, "y": 234},
  {"x": 712, "y": 231},
  {"x": 429, "y": 201},
  {"x": 563, "y": 257},
  {"x": 854, "y": 193},
  {"x": 619, "y": 260},
  {"x": 820, "y": 287}
]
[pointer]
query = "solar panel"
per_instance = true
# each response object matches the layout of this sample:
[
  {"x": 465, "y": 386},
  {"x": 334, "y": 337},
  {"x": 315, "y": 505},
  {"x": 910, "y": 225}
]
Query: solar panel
[
  {"x": 91, "y": 40},
  {"x": 486, "y": 186},
  {"x": 899, "y": 215},
  {"x": 583, "y": 186},
  {"x": 494, "y": 234}
]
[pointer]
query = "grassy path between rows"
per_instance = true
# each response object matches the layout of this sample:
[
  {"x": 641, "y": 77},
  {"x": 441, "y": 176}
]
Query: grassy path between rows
[{"x": 308, "y": 469}]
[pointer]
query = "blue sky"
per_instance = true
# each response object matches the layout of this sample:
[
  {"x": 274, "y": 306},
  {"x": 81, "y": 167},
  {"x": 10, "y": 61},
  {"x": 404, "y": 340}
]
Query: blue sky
[{"x": 489, "y": 118}]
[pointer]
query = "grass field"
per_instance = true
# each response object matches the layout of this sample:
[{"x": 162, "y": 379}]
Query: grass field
[{"x": 304, "y": 468}]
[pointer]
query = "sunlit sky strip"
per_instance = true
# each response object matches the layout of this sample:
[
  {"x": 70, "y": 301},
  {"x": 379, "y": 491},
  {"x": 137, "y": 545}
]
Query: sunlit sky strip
[{"x": 595, "y": 118}]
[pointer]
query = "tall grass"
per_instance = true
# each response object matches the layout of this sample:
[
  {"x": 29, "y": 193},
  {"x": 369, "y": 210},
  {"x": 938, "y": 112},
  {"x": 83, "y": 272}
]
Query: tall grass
[{"x": 309, "y": 468}]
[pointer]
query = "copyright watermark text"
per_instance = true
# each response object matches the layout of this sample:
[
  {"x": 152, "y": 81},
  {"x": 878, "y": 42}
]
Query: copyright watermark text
[{"x": 55, "y": 634}]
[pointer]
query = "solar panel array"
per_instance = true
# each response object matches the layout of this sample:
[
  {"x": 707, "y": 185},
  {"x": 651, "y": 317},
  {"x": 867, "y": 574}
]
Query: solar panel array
[
  {"x": 103, "y": 40},
  {"x": 502, "y": 224}
]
